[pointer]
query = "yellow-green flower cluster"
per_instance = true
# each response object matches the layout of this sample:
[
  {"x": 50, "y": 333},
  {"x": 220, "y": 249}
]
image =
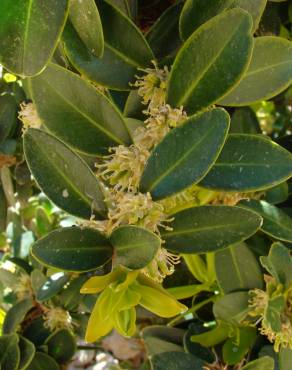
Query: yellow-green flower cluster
[
  {"x": 56, "y": 318},
  {"x": 28, "y": 116},
  {"x": 120, "y": 292},
  {"x": 277, "y": 327}
]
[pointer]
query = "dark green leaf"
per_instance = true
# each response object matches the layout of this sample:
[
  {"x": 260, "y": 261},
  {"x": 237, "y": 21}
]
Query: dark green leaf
[
  {"x": 135, "y": 247},
  {"x": 27, "y": 351},
  {"x": 274, "y": 311},
  {"x": 15, "y": 315},
  {"x": 269, "y": 73},
  {"x": 197, "y": 12},
  {"x": 277, "y": 194},
  {"x": 36, "y": 332},
  {"x": 263, "y": 363},
  {"x": 232, "y": 307},
  {"x": 111, "y": 71},
  {"x": 9, "y": 352},
  {"x": 196, "y": 349},
  {"x": 175, "y": 361},
  {"x": 125, "y": 38},
  {"x": 73, "y": 249},
  {"x": 29, "y": 33},
  {"x": 44, "y": 362},
  {"x": 61, "y": 346},
  {"x": 62, "y": 175},
  {"x": 279, "y": 264},
  {"x": 54, "y": 284},
  {"x": 76, "y": 112},
  {"x": 276, "y": 222},
  {"x": 199, "y": 79},
  {"x": 186, "y": 154},
  {"x": 244, "y": 121},
  {"x": 248, "y": 163},
  {"x": 85, "y": 18},
  {"x": 159, "y": 339},
  {"x": 236, "y": 347},
  {"x": 237, "y": 269},
  {"x": 209, "y": 228},
  {"x": 163, "y": 36},
  {"x": 8, "y": 115}
]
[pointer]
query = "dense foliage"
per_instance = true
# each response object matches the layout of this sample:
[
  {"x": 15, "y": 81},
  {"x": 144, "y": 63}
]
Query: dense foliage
[{"x": 145, "y": 162}]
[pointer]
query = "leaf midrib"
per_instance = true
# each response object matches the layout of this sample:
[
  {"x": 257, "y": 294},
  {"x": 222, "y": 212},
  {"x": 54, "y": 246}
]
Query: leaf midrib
[
  {"x": 88, "y": 118},
  {"x": 271, "y": 66},
  {"x": 25, "y": 38},
  {"x": 177, "y": 163},
  {"x": 189, "y": 91},
  {"x": 212, "y": 227}
]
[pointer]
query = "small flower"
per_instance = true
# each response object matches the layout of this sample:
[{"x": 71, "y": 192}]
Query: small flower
[
  {"x": 123, "y": 168},
  {"x": 136, "y": 209},
  {"x": 161, "y": 120},
  {"x": 152, "y": 86},
  {"x": 162, "y": 265},
  {"x": 29, "y": 116},
  {"x": 23, "y": 288},
  {"x": 231, "y": 199},
  {"x": 258, "y": 302},
  {"x": 57, "y": 318}
]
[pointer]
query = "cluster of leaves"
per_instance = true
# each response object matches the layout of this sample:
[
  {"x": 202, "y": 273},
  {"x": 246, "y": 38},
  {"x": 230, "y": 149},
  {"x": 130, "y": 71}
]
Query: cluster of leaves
[{"x": 155, "y": 144}]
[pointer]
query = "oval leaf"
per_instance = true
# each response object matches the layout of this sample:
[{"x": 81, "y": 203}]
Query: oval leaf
[
  {"x": 276, "y": 223},
  {"x": 176, "y": 360},
  {"x": 52, "y": 286},
  {"x": 269, "y": 73},
  {"x": 61, "y": 345},
  {"x": 27, "y": 351},
  {"x": 248, "y": 163},
  {"x": 201, "y": 229},
  {"x": 73, "y": 249},
  {"x": 76, "y": 112},
  {"x": 237, "y": 269},
  {"x": 62, "y": 175},
  {"x": 197, "y": 12},
  {"x": 44, "y": 362},
  {"x": 186, "y": 154},
  {"x": 15, "y": 315},
  {"x": 9, "y": 352},
  {"x": 232, "y": 307},
  {"x": 263, "y": 363},
  {"x": 29, "y": 33},
  {"x": 135, "y": 247},
  {"x": 199, "y": 79},
  {"x": 85, "y": 18}
]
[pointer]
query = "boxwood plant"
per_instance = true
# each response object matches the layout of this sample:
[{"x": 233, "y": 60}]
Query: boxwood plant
[{"x": 164, "y": 194}]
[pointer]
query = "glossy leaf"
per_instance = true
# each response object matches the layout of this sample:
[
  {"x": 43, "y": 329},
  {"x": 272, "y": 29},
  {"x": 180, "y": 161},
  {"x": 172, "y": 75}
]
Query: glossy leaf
[
  {"x": 110, "y": 71},
  {"x": 135, "y": 247},
  {"x": 269, "y": 73},
  {"x": 29, "y": 33},
  {"x": 27, "y": 351},
  {"x": 44, "y": 362},
  {"x": 201, "y": 229},
  {"x": 176, "y": 360},
  {"x": 199, "y": 79},
  {"x": 86, "y": 20},
  {"x": 277, "y": 194},
  {"x": 61, "y": 346},
  {"x": 279, "y": 264},
  {"x": 186, "y": 154},
  {"x": 76, "y": 112},
  {"x": 62, "y": 175},
  {"x": 54, "y": 284},
  {"x": 163, "y": 37},
  {"x": 237, "y": 269},
  {"x": 276, "y": 222},
  {"x": 212, "y": 337},
  {"x": 232, "y": 307},
  {"x": 197, "y": 12},
  {"x": 73, "y": 249},
  {"x": 9, "y": 352},
  {"x": 125, "y": 38},
  {"x": 159, "y": 339},
  {"x": 248, "y": 163},
  {"x": 263, "y": 363},
  {"x": 15, "y": 315}
]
